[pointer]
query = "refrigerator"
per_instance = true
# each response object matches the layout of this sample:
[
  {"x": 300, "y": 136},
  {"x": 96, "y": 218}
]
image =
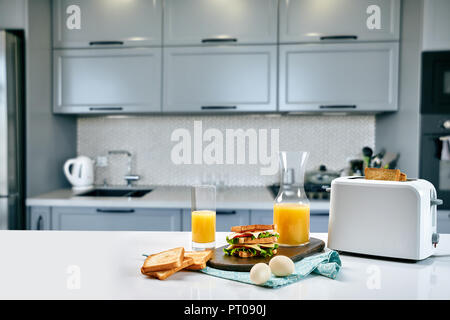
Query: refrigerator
[{"x": 12, "y": 189}]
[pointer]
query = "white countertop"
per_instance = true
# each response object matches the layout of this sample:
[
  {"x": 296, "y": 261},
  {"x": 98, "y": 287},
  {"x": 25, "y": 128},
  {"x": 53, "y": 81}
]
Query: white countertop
[
  {"x": 255, "y": 198},
  {"x": 47, "y": 264}
]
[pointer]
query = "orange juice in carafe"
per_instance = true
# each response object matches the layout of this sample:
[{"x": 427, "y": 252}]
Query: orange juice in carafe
[
  {"x": 291, "y": 207},
  {"x": 292, "y": 223}
]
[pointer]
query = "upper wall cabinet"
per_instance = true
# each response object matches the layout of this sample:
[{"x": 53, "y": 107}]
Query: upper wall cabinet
[
  {"x": 220, "y": 79},
  {"x": 192, "y": 22},
  {"x": 107, "y": 80},
  {"x": 436, "y": 25},
  {"x": 339, "y": 77},
  {"x": 343, "y": 20},
  {"x": 12, "y": 14},
  {"x": 88, "y": 23}
]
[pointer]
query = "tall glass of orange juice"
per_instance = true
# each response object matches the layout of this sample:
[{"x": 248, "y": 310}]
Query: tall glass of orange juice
[
  {"x": 203, "y": 217},
  {"x": 291, "y": 207}
]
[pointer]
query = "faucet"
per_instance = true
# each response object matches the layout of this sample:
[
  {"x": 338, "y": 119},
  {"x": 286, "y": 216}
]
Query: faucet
[{"x": 129, "y": 177}]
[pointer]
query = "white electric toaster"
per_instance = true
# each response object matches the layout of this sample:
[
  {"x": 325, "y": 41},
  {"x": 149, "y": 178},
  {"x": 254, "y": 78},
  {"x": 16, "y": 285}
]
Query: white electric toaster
[{"x": 383, "y": 218}]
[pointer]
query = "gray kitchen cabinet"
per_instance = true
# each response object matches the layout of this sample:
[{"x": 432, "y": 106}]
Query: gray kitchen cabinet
[
  {"x": 115, "y": 219},
  {"x": 12, "y": 14},
  {"x": 339, "y": 77},
  {"x": 220, "y": 79},
  {"x": 39, "y": 218},
  {"x": 192, "y": 22},
  {"x": 106, "y": 23},
  {"x": 443, "y": 222},
  {"x": 344, "y": 20},
  {"x": 436, "y": 25},
  {"x": 318, "y": 221},
  {"x": 107, "y": 80},
  {"x": 225, "y": 219},
  {"x": 261, "y": 217}
]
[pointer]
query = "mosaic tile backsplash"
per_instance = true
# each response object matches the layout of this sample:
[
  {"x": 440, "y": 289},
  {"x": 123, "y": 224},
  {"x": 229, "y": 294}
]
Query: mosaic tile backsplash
[{"x": 331, "y": 140}]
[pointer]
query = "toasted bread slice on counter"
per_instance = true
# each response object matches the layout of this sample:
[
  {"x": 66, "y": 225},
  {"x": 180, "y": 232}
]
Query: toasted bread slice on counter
[
  {"x": 253, "y": 227},
  {"x": 403, "y": 177},
  {"x": 259, "y": 240},
  {"x": 200, "y": 259},
  {"x": 165, "y": 260},
  {"x": 382, "y": 174},
  {"x": 164, "y": 274}
]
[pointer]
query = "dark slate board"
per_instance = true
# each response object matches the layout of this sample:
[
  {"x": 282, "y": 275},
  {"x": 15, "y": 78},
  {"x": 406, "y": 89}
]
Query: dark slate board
[{"x": 221, "y": 261}]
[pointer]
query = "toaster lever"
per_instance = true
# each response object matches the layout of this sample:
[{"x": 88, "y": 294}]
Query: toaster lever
[
  {"x": 435, "y": 239},
  {"x": 436, "y": 202}
]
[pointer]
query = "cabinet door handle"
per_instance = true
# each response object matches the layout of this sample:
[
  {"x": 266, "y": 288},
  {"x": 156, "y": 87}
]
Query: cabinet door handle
[
  {"x": 339, "y": 37},
  {"x": 212, "y": 40},
  {"x": 38, "y": 224},
  {"x": 105, "y": 109},
  {"x": 115, "y": 210},
  {"x": 338, "y": 106},
  {"x": 226, "y": 212},
  {"x": 219, "y": 107},
  {"x": 105, "y": 43}
]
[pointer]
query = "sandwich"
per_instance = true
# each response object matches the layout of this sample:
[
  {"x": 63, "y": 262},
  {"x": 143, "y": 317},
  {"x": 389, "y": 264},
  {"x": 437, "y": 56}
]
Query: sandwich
[{"x": 252, "y": 241}]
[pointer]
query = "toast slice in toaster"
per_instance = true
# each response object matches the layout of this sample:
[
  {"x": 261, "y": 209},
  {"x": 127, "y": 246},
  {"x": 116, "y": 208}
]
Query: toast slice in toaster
[{"x": 382, "y": 174}]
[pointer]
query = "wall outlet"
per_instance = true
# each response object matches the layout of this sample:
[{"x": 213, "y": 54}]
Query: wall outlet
[{"x": 102, "y": 161}]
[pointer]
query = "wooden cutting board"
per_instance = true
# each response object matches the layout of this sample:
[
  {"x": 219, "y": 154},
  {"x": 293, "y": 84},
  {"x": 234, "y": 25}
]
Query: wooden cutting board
[{"x": 221, "y": 261}]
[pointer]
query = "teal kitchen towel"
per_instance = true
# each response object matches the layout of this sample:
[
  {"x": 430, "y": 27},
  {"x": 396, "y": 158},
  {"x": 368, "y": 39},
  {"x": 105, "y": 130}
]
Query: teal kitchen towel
[{"x": 326, "y": 264}]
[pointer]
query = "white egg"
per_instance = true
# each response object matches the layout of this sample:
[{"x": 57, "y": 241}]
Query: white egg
[
  {"x": 260, "y": 273},
  {"x": 281, "y": 266}
]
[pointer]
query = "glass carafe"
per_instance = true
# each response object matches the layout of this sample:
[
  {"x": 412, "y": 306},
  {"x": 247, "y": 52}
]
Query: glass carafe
[{"x": 291, "y": 207}]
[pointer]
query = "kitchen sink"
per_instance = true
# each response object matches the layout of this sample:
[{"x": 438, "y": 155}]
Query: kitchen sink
[{"x": 134, "y": 193}]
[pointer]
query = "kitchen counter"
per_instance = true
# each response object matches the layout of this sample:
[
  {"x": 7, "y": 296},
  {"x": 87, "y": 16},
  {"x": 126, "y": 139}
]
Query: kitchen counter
[
  {"x": 254, "y": 198},
  {"x": 105, "y": 265}
]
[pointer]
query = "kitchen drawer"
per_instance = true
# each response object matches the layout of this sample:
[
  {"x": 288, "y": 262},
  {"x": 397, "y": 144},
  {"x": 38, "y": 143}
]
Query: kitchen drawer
[
  {"x": 107, "y": 23},
  {"x": 339, "y": 77},
  {"x": 324, "y": 20},
  {"x": 39, "y": 218},
  {"x": 107, "y": 80},
  {"x": 114, "y": 219},
  {"x": 220, "y": 79},
  {"x": 443, "y": 222},
  {"x": 225, "y": 219},
  {"x": 192, "y": 22}
]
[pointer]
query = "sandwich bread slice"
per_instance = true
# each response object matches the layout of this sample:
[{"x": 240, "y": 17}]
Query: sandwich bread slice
[{"x": 384, "y": 174}]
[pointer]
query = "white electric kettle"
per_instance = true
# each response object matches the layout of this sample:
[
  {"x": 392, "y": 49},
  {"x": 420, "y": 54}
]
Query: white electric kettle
[{"x": 80, "y": 172}]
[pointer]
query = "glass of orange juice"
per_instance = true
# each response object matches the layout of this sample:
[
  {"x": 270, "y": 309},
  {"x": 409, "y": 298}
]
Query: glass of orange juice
[
  {"x": 203, "y": 217},
  {"x": 291, "y": 207}
]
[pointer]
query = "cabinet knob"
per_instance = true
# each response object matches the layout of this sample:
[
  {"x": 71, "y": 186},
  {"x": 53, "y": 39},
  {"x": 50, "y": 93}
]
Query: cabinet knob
[{"x": 446, "y": 124}]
